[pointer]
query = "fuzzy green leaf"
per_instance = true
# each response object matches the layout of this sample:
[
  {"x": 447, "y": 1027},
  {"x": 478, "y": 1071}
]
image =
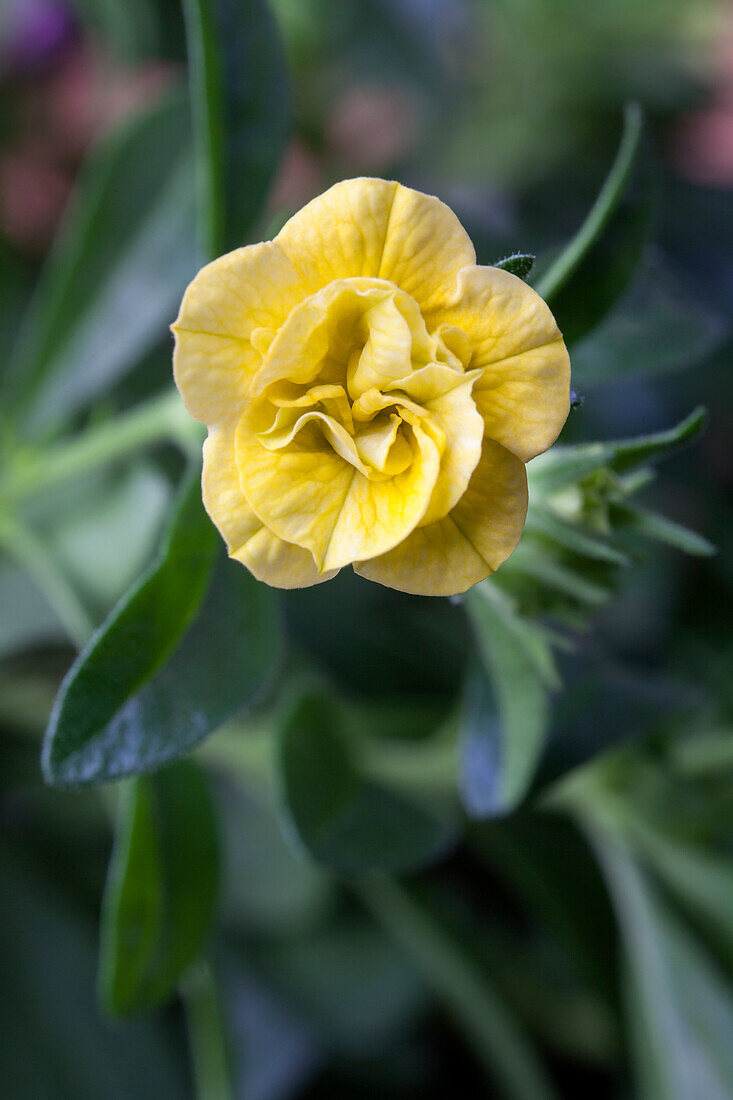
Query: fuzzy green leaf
[
  {"x": 571, "y": 536},
  {"x": 519, "y": 264},
  {"x": 661, "y": 529},
  {"x": 562, "y": 466}
]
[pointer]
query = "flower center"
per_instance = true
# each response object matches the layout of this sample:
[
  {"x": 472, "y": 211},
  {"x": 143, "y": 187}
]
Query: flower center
[{"x": 340, "y": 375}]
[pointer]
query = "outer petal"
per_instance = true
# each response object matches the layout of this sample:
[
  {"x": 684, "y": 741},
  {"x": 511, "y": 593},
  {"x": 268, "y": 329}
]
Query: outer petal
[
  {"x": 270, "y": 559},
  {"x": 341, "y": 233},
  {"x": 310, "y": 496},
  {"x": 241, "y": 296},
  {"x": 471, "y": 542},
  {"x": 279, "y": 563},
  {"x": 425, "y": 248},
  {"x": 381, "y": 229},
  {"x": 524, "y": 394}
]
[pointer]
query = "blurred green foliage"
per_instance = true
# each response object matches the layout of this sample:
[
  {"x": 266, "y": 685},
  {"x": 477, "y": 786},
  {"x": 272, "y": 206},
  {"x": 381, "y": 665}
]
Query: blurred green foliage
[{"x": 487, "y": 840}]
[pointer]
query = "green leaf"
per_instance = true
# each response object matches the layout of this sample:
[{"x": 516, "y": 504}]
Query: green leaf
[
  {"x": 519, "y": 264},
  {"x": 573, "y": 537},
  {"x": 161, "y": 888},
  {"x": 661, "y": 529},
  {"x": 630, "y": 453},
  {"x": 701, "y": 880},
  {"x": 592, "y": 270},
  {"x": 339, "y": 818},
  {"x": 532, "y": 561},
  {"x": 681, "y": 1016},
  {"x": 656, "y": 329},
  {"x": 166, "y": 668},
  {"x": 561, "y": 466},
  {"x": 704, "y": 753},
  {"x": 207, "y": 1033},
  {"x": 115, "y": 275},
  {"x": 239, "y": 90},
  {"x": 130, "y": 646},
  {"x": 607, "y": 271},
  {"x": 506, "y": 707}
]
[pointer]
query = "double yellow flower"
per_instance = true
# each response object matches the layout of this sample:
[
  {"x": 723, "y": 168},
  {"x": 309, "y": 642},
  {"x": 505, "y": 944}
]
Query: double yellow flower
[{"x": 371, "y": 394}]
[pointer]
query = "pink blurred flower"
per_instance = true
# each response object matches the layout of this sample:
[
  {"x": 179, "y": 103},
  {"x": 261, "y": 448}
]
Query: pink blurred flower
[
  {"x": 32, "y": 195},
  {"x": 299, "y": 178},
  {"x": 61, "y": 111},
  {"x": 703, "y": 143},
  {"x": 372, "y": 126}
]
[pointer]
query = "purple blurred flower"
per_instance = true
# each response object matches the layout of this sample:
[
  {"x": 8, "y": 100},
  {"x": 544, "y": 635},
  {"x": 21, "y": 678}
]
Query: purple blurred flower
[{"x": 33, "y": 33}]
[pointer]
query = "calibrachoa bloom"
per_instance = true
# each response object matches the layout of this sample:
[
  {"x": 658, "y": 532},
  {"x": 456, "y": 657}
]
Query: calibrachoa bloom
[{"x": 371, "y": 394}]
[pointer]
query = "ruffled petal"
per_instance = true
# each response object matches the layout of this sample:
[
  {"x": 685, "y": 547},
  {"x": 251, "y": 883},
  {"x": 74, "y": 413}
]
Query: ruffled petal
[
  {"x": 383, "y": 445},
  {"x": 471, "y": 542},
  {"x": 289, "y": 423},
  {"x": 383, "y": 513},
  {"x": 387, "y": 353},
  {"x": 228, "y": 315},
  {"x": 525, "y": 400},
  {"x": 268, "y": 557},
  {"x": 318, "y": 336},
  {"x": 309, "y": 495},
  {"x": 461, "y": 425},
  {"x": 524, "y": 392}
]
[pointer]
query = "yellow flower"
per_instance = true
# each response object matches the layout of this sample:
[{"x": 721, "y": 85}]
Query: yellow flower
[{"x": 371, "y": 394}]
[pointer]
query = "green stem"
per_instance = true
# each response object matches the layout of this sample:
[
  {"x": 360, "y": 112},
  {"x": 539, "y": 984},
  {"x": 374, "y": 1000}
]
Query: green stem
[
  {"x": 32, "y": 555},
  {"x": 600, "y": 213},
  {"x": 206, "y": 1035},
  {"x": 162, "y": 418},
  {"x": 499, "y": 1045}
]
